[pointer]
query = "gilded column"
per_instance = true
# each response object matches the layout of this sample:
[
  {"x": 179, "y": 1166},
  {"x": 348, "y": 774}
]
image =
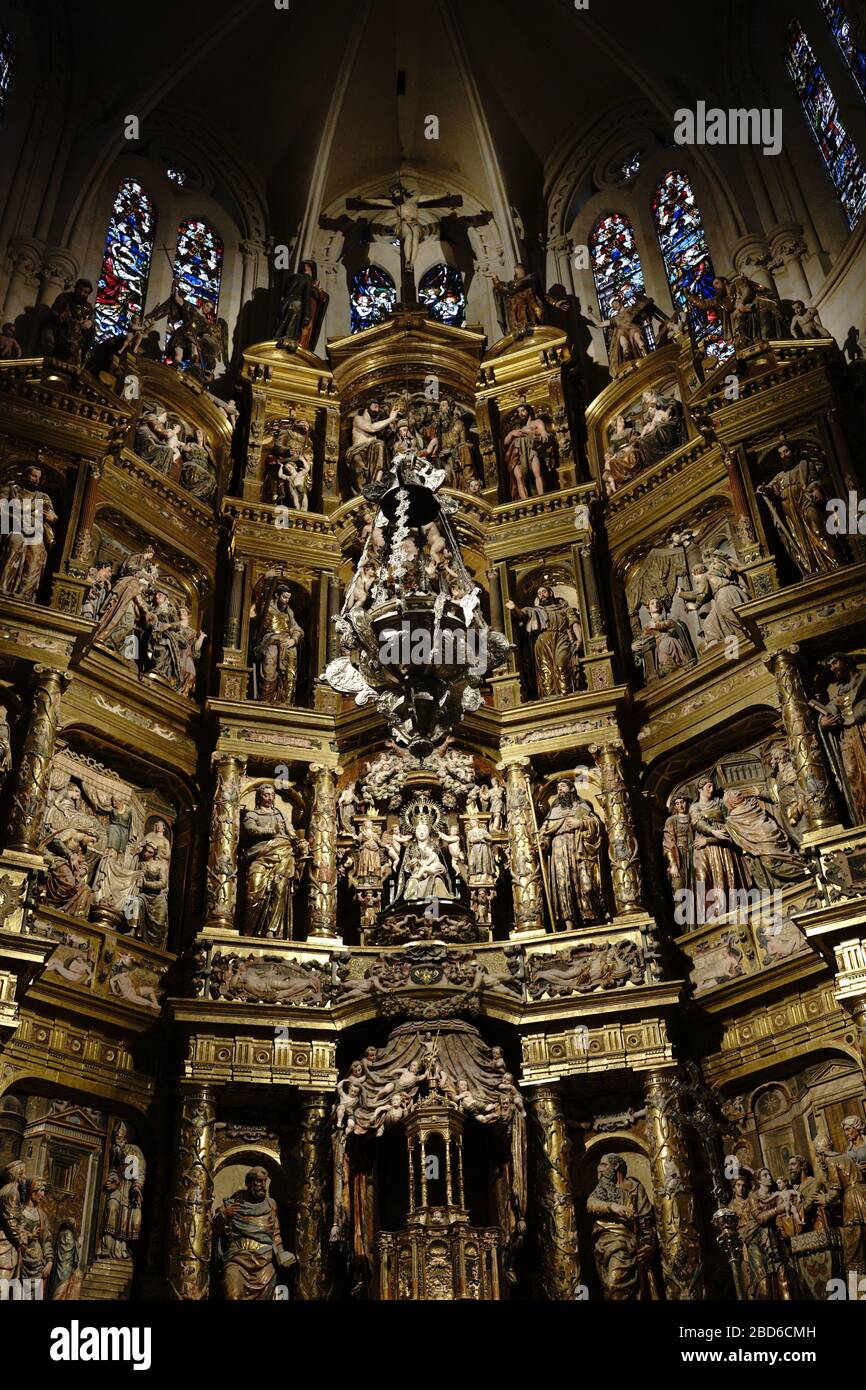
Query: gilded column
[
  {"x": 557, "y": 1217},
  {"x": 323, "y": 854},
  {"x": 83, "y": 547},
  {"x": 222, "y": 863},
  {"x": 232, "y": 633},
  {"x": 332, "y": 642},
  {"x": 586, "y": 569},
  {"x": 189, "y": 1232},
  {"x": 494, "y": 591},
  {"x": 745, "y": 525},
  {"x": 622, "y": 840},
  {"x": 311, "y": 1237},
  {"x": 30, "y": 796},
  {"x": 804, "y": 744},
  {"x": 526, "y": 884},
  {"x": 673, "y": 1194}
]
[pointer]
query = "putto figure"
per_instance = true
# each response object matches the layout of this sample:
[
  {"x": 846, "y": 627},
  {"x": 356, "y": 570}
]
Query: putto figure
[{"x": 249, "y": 1243}]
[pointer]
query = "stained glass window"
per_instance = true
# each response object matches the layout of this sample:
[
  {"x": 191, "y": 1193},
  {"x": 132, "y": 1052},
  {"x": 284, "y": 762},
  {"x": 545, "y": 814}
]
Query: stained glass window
[
  {"x": 616, "y": 263},
  {"x": 686, "y": 255},
  {"x": 122, "y": 286},
  {"x": 198, "y": 264},
  {"x": 822, "y": 113},
  {"x": 7, "y": 68},
  {"x": 855, "y": 57},
  {"x": 441, "y": 291},
  {"x": 373, "y": 297}
]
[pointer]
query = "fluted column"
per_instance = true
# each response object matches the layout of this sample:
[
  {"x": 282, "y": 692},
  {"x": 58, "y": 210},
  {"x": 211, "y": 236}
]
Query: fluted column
[
  {"x": 323, "y": 853},
  {"x": 557, "y": 1217},
  {"x": 189, "y": 1235},
  {"x": 622, "y": 840},
  {"x": 83, "y": 546},
  {"x": 30, "y": 796},
  {"x": 745, "y": 525},
  {"x": 313, "y": 1197},
  {"x": 804, "y": 745},
  {"x": 526, "y": 883},
  {"x": 673, "y": 1193},
  {"x": 222, "y": 863},
  {"x": 332, "y": 643},
  {"x": 586, "y": 569},
  {"x": 494, "y": 591},
  {"x": 232, "y": 633}
]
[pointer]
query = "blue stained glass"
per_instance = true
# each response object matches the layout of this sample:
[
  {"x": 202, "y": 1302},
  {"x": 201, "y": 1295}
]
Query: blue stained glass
[
  {"x": 441, "y": 291},
  {"x": 198, "y": 265},
  {"x": 841, "y": 27},
  {"x": 122, "y": 286},
  {"x": 616, "y": 265},
  {"x": 687, "y": 259},
  {"x": 373, "y": 297},
  {"x": 822, "y": 113},
  {"x": 7, "y": 69}
]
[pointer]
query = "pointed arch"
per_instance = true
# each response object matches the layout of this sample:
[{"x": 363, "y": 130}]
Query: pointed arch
[
  {"x": 821, "y": 111},
  {"x": 129, "y": 239}
]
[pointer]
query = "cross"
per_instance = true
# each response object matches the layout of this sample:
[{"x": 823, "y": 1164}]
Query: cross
[{"x": 409, "y": 226}]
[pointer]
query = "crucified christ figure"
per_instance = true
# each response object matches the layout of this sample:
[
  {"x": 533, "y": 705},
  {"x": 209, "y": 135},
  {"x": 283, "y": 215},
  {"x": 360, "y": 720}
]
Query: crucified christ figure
[{"x": 411, "y": 226}]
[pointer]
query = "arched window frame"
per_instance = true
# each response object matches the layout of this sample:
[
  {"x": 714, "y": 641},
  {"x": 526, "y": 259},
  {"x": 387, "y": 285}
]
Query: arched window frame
[
  {"x": 688, "y": 250},
  {"x": 129, "y": 241},
  {"x": 452, "y": 281},
  {"x": 610, "y": 282},
  {"x": 380, "y": 312}
]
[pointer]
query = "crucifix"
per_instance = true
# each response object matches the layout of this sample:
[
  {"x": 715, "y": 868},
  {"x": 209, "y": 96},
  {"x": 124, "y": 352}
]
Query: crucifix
[{"x": 410, "y": 227}]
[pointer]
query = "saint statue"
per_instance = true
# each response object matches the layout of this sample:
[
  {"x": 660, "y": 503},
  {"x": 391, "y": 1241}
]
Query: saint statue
[
  {"x": 275, "y": 651},
  {"x": 124, "y": 1188},
  {"x": 423, "y": 873},
  {"x": 68, "y": 331},
  {"x": 573, "y": 834},
  {"x": 197, "y": 470},
  {"x": 797, "y": 500},
  {"x": 772, "y": 859},
  {"x": 526, "y": 447},
  {"x": 270, "y": 854},
  {"x": 249, "y": 1243},
  {"x": 367, "y": 457},
  {"x": 28, "y": 513},
  {"x": 719, "y": 590},
  {"x": 664, "y": 645},
  {"x": 554, "y": 627},
  {"x": 623, "y": 1234},
  {"x": 521, "y": 301},
  {"x": 37, "y": 1246},
  {"x": 718, "y": 865},
  {"x": 767, "y": 1252},
  {"x": 302, "y": 309},
  {"x": 843, "y": 725},
  {"x": 677, "y": 846},
  {"x": 12, "y": 1194}
]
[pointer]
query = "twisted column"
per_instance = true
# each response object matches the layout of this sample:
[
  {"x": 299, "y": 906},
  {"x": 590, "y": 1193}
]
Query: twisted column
[
  {"x": 222, "y": 861},
  {"x": 804, "y": 744},
  {"x": 189, "y": 1235},
  {"x": 673, "y": 1194},
  {"x": 622, "y": 840},
  {"x": 313, "y": 1197},
  {"x": 560, "y": 1257},
  {"x": 526, "y": 885},
  {"x": 30, "y": 796},
  {"x": 323, "y": 854}
]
